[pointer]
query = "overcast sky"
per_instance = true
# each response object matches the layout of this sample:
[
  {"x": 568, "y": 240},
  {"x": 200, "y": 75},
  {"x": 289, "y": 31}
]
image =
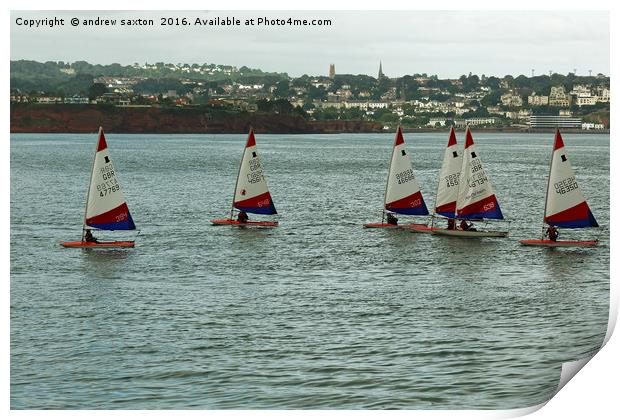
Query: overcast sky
[{"x": 446, "y": 43}]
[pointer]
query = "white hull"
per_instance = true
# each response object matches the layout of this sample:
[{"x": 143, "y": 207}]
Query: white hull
[
  {"x": 471, "y": 233},
  {"x": 559, "y": 244}
]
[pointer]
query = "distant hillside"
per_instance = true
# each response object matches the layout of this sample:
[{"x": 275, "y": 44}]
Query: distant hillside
[{"x": 75, "y": 78}]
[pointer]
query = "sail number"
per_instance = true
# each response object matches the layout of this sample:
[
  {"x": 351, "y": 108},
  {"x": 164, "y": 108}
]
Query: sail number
[
  {"x": 254, "y": 164},
  {"x": 107, "y": 171},
  {"x": 255, "y": 177},
  {"x": 488, "y": 207},
  {"x": 477, "y": 179},
  {"x": 104, "y": 190},
  {"x": 405, "y": 176},
  {"x": 476, "y": 166},
  {"x": 566, "y": 185},
  {"x": 256, "y": 173},
  {"x": 452, "y": 180},
  {"x": 109, "y": 185}
]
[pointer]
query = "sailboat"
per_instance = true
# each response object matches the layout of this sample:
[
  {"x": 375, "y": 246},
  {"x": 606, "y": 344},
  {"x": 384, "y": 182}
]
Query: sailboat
[
  {"x": 402, "y": 191},
  {"x": 565, "y": 205},
  {"x": 475, "y": 200},
  {"x": 106, "y": 208},
  {"x": 251, "y": 191},
  {"x": 447, "y": 185}
]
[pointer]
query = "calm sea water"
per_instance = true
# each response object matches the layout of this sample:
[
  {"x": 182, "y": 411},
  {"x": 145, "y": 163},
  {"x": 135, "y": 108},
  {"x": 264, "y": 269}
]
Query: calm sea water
[{"x": 318, "y": 313}]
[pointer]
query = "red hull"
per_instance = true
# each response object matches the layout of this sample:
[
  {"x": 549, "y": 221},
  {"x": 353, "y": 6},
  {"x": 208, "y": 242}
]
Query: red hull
[
  {"x": 113, "y": 244},
  {"x": 557, "y": 244},
  {"x": 231, "y": 222}
]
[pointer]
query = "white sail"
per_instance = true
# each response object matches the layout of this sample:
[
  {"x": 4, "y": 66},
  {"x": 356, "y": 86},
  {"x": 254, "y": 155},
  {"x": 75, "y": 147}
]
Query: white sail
[
  {"x": 448, "y": 185},
  {"x": 476, "y": 199},
  {"x": 251, "y": 192},
  {"x": 402, "y": 194},
  {"x": 565, "y": 204},
  {"x": 106, "y": 207}
]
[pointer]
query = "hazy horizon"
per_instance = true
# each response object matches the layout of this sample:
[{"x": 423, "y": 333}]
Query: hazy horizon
[{"x": 446, "y": 43}]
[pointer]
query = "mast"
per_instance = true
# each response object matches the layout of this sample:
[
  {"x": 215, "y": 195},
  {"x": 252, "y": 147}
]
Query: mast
[
  {"x": 557, "y": 132},
  {"x": 90, "y": 181},
  {"x": 232, "y": 207},
  {"x": 458, "y": 190}
]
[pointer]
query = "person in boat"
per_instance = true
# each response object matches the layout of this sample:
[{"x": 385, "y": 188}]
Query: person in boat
[
  {"x": 552, "y": 233},
  {"x": 391, "y": 219},
  {"x": 242, "y": 217},
  {"x": 465, "y": 225},
  {"x": 451, "y": 224},
  {"x": 88, "y": 236}
]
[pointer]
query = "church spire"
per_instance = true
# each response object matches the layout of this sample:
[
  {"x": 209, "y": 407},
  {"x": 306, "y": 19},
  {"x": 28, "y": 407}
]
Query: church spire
[{"x": 381, "y": 75}]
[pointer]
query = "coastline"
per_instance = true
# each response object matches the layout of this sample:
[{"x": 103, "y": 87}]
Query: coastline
[{"x": 68, "y": 118}]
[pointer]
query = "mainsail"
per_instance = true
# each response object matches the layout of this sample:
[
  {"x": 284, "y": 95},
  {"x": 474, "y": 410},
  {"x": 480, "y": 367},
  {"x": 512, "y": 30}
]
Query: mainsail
[
  {"x": 251, "y": 191},
  {"x": 106, "y": 207},
  {"x": 448, "y": 186},
  {"x": 565, "y": 205},
  {"x": 476, "y": 199},
  {"x": 402, "y": 192}
]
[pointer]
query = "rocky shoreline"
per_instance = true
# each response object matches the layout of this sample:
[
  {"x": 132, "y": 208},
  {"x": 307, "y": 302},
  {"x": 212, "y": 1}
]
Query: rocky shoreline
[
  {"x": 61, "y": 118},
  {"x": 67, "y": 118}
]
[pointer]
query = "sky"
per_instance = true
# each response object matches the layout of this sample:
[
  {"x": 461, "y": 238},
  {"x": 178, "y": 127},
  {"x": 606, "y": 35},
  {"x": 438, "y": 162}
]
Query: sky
[{"x": 446, "y": 43}]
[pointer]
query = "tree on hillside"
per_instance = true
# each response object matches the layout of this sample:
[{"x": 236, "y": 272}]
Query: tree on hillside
[
  {"x": 96, "y": 90},
  {"x": 282, "y": 89}
]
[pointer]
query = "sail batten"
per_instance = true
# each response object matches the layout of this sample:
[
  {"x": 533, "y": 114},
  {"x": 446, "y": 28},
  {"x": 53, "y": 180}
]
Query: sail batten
[
  {"x": 475, "y": 199},
  {"x": 402, "y": 192},
  {"x": 251, "y": 190},
  {"x": 106, "y": 207}
]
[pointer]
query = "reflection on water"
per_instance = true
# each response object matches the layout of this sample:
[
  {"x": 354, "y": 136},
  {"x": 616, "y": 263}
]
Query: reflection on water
[{"x": 317, "y": 313}]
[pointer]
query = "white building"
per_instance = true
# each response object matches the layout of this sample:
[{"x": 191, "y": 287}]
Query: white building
[
  {"x": 537, "y": 100},
  {"x": 592, "y": 126},
  {"x": 558, "y": 97},
  {"x": 494, "y": 110},
  {"x": 585, "y": 100},
  {"x": 378, "y": 105},
  {"x": 602, "y": 94},
  {"x": 476, "y": 122},
  {"x": 434, "y": 121},
  {"x": 580, "y": 90},
  {"x": 510, "y": 99}
]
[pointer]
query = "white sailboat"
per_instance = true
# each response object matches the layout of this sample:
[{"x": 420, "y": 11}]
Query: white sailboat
[
  {"x": 447, "y": 186},
  {"x": 106, "y": 207},
  {"x": 402, "y": 191},
  {"x": 565, "y": 205},
  {"x": 251, "y": 191},
  {"x": 476, "y": 200}
]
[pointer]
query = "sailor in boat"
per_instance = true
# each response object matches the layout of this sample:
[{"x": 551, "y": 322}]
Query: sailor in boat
[
  {"x": 242, "y": 217},
  {"x": 552, "y": 233},
  {"x": 465, "y": 225},
  {"x": 88, "y": 237},
  {"x": 391, "y": 219},
  {"x": 451, "y": 224}
]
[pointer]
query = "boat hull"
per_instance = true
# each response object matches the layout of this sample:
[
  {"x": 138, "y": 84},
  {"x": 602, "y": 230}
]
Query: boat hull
[
  {"x": 388, "y": 226},
  {"x": 557, "y": 244},
  {"x": 425, "y": 229},
  {"x": 111, "y": 244},
  {"x": 232, "y": 222},
  {"x": 470, "y": 233}
]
